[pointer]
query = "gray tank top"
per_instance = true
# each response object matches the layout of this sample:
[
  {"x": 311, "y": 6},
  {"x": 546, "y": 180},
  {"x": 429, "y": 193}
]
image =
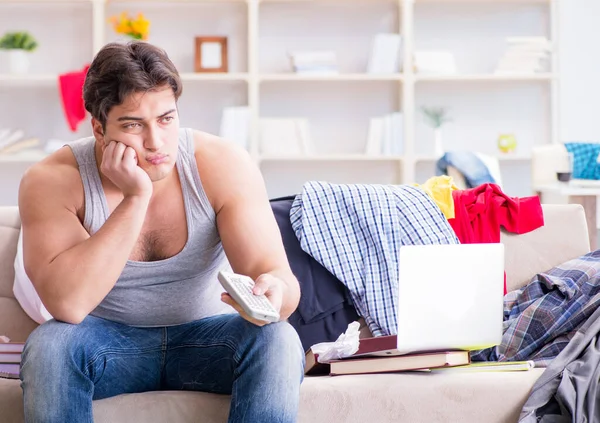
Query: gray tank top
[{"x": 177, "y": 290}]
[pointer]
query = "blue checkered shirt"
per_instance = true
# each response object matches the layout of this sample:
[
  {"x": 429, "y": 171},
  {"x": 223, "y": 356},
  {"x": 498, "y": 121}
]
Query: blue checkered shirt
[
  {"x": 356, "y": 231},
  {"x": 541, "y": 318}
]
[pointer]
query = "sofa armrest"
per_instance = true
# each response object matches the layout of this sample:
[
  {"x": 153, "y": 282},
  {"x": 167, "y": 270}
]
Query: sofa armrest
[{"x": 563, "y": 237}]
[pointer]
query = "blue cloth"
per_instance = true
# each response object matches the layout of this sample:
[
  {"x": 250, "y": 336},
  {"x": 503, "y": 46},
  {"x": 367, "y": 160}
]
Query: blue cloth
[
  {"x": 585, "y": 159},
  {"x": 468, "y": 164},
  {"x": 541, "y": 318},
  {"x": 356, "y": 231},
  {"x": 64, "y": 366},
  {"x": 325, "y": 309}
]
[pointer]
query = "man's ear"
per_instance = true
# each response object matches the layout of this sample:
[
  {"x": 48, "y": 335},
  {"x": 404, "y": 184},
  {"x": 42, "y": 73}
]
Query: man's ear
[{"x": 98, "y": 130}]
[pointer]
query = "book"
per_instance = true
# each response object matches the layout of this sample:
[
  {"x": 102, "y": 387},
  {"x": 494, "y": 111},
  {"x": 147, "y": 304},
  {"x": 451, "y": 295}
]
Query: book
[
  {"x": 367, "y": 365},
  {"x": 377, "y": 346},
  {"x": 312, "y": 366},
  {"x": 373, "y": 346},
  {"x": 7, "y": 358},
  {"x": 285, "y": 136},
  {"x": 491, "y": 366},
  {"x": 9, "y": 371},
  {"x": 386, "y": 54},
  {"x": 11, "y": 347},
  {"x": 234, "y": 125},
  {"x": 385, "y": 135}
]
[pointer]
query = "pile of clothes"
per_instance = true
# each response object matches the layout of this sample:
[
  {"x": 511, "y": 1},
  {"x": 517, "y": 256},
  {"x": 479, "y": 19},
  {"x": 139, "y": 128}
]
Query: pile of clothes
[{"x": 346, "y": 238}]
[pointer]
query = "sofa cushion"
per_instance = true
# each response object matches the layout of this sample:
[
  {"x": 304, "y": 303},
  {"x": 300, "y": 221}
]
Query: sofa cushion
[
  {"x": 563, "y": 237},
  {"x": 11, "y": 401},
  {"x": 9, "y": 217},
  {"x": 408, "y": 397},
  {"x": 8, "y": 250},
  {"x": 14, "y": 323}
]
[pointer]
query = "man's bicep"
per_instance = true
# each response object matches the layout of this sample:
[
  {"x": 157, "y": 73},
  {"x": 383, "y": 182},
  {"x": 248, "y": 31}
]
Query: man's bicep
[
  {"x": 249, "y": 231},
  {"x": 49, "y": 226}
]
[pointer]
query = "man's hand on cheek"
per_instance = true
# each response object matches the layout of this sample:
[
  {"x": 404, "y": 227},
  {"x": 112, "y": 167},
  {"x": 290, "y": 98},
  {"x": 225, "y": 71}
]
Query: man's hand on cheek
[
  {"x": 266, "y": 284},
  {"x": 120, "y": 165}
]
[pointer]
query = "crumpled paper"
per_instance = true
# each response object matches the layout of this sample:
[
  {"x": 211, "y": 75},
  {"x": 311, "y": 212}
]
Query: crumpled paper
[{"x": 344, "y": 346}]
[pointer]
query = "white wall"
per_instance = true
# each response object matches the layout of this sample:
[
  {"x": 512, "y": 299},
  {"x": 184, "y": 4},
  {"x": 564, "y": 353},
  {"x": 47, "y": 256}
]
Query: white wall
[
  {"x": 580, "y": 70},
  {"x": 448, "y": 26}
]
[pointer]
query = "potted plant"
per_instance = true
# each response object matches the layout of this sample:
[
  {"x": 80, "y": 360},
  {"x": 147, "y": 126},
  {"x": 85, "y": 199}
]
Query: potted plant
[
  {"x": 436, "y": 117},
  {"x": 19, "y": 46}
]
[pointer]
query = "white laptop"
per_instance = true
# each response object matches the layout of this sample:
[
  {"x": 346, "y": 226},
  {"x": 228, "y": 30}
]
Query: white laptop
[{"x": 450, "y": 297}]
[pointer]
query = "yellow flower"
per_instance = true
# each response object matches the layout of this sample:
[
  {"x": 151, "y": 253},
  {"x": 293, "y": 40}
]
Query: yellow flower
[
  {"x": 138, "y": 28},
  {"x": 141, "y": 26}
]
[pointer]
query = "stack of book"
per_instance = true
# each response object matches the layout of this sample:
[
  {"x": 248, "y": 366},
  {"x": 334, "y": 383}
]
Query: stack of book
[
  {"x": 525, "y": 55},
  {"x": 385, "y": 136},
  {"x": 380, "y": 355},
  {"x": 14, "y": 141},
  {"x": 314, "y": 62},
  {"x": 10, "y": 359}
]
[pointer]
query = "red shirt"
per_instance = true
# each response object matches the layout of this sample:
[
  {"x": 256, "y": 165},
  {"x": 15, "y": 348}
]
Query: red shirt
[{"x": 481, "y": 211}]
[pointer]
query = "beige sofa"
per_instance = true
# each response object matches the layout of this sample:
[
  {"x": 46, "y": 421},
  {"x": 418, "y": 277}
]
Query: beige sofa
[{"x": 412, "y": 398}]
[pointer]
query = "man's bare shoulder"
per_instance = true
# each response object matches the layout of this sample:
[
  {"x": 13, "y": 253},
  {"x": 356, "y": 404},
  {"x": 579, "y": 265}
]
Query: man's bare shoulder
[
  {"x": 55, "y": 176},
  {"x": 224, "y": 167}
]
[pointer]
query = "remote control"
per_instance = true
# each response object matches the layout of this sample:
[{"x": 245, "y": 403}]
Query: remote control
[{"x": 240, "y": 289}]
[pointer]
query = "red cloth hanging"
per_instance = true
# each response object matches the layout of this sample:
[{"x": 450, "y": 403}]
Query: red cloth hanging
[{"x": 71, "y": 92}]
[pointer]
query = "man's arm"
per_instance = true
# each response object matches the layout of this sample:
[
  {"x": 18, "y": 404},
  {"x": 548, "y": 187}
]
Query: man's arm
[
  {"x": 71, "y": 270},
  {"x": 245, "y": 220}
]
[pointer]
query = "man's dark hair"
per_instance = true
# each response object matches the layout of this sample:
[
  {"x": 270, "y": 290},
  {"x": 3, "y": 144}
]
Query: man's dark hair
[{"x": 119, "y": 70}]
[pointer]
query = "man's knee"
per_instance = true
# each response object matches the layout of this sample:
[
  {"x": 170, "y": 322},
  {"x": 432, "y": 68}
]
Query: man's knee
[
  {"x": 50, "y": 344},
  {"x": 280, "y": 342}
]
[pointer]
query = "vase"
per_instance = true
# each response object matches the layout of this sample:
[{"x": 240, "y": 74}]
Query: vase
[
  {"x": 438, "y": 146},
  {"x": 18, "y": 61}
]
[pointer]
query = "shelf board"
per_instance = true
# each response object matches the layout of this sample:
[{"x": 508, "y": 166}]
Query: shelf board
[
  {"x": 48, "y": 1},
  {"x": 326, "y": 1},
  {"x": 502, "y": 158},
  {"x": 328, "y": 158},
  {"x": 485, "y": 77},
  {"x": 30, "y": 79},
  {"x": 484, "y": 1},
  {"x": 190, "y": 76},
  {"x": 52, "y": 79},
  {"x": 336, "y": 77},
  {"x": 28, "y": 156}
]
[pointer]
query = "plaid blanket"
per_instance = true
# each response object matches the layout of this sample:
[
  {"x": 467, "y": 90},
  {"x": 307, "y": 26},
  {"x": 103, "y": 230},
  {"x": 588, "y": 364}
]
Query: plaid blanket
[{"x": 541, "y": 318}]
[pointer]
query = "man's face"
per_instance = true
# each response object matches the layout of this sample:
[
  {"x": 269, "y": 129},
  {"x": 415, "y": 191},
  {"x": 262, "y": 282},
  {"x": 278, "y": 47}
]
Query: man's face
[{"x": 149, "y": 123}]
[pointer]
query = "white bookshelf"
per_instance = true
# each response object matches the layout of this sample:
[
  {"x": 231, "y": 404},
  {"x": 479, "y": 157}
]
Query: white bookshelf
[{"x": 338, "y": 107}]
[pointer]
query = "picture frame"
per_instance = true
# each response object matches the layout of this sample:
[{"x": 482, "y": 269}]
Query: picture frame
[{"x": 211, "y": 54}]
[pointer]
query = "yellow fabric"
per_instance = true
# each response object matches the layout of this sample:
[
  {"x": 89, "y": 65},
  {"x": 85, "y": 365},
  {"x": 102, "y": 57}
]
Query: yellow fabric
[{"x": 440, "y": 189}]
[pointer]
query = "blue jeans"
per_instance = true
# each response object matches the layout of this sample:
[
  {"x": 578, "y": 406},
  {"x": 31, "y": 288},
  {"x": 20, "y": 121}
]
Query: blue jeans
[{"x": 64, "y": 367}]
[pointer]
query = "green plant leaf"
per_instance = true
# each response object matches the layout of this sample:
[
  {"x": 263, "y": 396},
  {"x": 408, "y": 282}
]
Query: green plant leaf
[{"x": 18, "y": 41}]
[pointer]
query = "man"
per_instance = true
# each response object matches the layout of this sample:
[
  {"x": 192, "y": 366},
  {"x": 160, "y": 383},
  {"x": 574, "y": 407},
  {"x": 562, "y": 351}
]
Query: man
[{"x": 123, "y": 236}]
